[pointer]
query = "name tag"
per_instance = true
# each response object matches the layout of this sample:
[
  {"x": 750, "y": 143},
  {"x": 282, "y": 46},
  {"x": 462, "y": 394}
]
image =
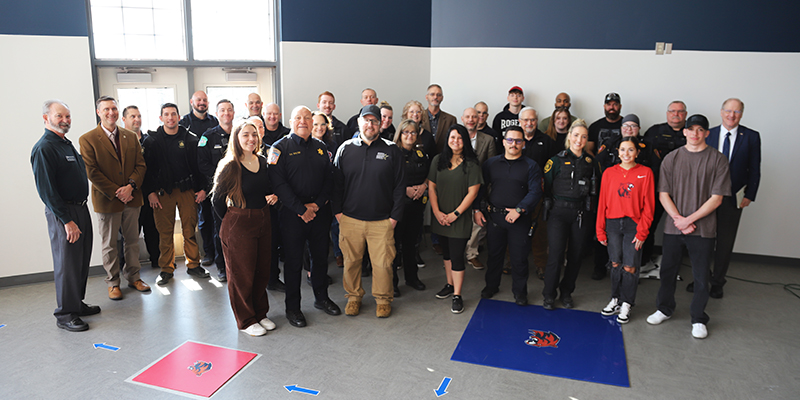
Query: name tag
[
  {"x": 70, "y": 158},
  {"x": 381, "y": 156}
]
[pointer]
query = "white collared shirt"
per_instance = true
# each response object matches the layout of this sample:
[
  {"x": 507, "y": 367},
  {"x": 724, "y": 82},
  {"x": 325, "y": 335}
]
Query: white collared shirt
[
  {"x": 722, "y": 132},
  {"x": 111, "y": 134}
]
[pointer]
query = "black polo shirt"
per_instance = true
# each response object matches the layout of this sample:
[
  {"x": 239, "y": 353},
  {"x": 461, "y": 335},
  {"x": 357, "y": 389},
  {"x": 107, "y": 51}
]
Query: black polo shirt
[
  {"x": 59, "y": 173},
  {"x": 301, "y": 172}
]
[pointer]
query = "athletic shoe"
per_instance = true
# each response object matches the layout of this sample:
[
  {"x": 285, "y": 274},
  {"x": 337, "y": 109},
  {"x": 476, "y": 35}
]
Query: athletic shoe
[
  {"x": 624, "y": 313},
  {"x": 657, "y": 318},
  {"x": 446, "y": 291},
  {"x": 255, "y": 330},
  {"x": 612, "y": 307},
  {"x": 699, "y": 331},
  {"x": 198, "y": 272},
  {"x": 458, "y": 305}
]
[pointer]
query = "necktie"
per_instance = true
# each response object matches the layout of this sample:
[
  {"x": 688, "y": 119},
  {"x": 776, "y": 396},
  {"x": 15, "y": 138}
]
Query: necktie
[
  {"x": 115, "y": 142},
  {"x": 726, "y": 146}
]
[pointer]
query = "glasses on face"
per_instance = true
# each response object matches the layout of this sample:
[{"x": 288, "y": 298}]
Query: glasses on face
[
  {"x": 408, "y": 133},
  {"x": 414, "y": 112},
  {"x": 629, "y": 126},
  {"x": 514, "y": 141},
  {"x": 737, "y": 112},
  {"x": 373, "y": 121}
]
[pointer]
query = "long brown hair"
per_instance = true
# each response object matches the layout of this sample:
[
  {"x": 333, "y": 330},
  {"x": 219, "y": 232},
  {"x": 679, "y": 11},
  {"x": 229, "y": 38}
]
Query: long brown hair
[
  {"x": 228, "y": 177},
  {"x": 551, "y": 125}
]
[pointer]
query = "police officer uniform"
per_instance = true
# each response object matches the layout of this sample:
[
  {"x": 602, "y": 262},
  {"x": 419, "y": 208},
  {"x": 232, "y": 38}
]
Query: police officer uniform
[
  {"x": 661, "y": 140},
  {"x": 570, "y": 182},
  {"x": 416, "y": 165},
  {"x": 301, "y": 173},
  {"x": 210, "y": 150},
  {"x": 515, "y": 184}
]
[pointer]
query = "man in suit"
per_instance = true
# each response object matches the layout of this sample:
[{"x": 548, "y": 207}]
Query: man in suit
[
  {"x": 437, "y": 122},
  {"x": 115, "y": 166},
  {"x": 483, "y": 145},
  {"x": 742, "y": 147}
]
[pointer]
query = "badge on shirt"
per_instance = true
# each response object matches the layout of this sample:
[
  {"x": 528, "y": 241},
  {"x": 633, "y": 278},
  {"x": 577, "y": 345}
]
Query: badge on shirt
[
  {"x": 203, "y": 141},
  {"x": 181, "y": 144},
  {"x": 272, "y": 157},
  {"x": 381, "y": 156},
  {"x": 419, "y": 154},
  {"x": 70, "y": 158},
  {"x": 588, "y": 160},
  {"x": 548, "y": 166},
  {"x": 320, "y": 152}
]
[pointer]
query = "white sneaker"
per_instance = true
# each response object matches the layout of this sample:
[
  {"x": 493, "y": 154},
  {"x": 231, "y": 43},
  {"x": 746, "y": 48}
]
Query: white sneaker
[
  {"x": 657, "y": 318},
  {"x": 267, "y": 324},
  {"x": 255, "y": 330},
  {"x": 699, "y": 331},
  {"x": 612, "y": 307},
  {"x": 648, "y": 267},
  {"x": 624, "y": 311}
]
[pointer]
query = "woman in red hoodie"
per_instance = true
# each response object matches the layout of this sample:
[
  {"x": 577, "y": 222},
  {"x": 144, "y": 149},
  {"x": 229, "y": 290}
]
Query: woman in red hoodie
[{"x": 624, "y": 215}]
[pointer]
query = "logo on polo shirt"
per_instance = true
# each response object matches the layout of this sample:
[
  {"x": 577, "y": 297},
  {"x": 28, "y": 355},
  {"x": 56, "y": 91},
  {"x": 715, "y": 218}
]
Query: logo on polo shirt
[{"x": 381, "y": 156}]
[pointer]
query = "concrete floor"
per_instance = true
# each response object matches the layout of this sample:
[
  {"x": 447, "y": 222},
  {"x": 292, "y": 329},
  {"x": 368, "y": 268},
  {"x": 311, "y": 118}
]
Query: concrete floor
[{"x": 752, "y": 351}]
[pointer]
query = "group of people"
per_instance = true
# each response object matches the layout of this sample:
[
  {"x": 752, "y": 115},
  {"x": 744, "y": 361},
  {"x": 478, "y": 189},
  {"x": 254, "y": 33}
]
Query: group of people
[{"x": 261, "y": 191}]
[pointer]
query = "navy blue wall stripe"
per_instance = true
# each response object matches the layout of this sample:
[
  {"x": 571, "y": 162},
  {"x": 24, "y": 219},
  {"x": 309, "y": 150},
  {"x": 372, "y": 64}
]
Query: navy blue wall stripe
[
  {"x": 44, "y": 17},
  {"x": 384, "y": 22},
  {"x": 710, "y": 25}
]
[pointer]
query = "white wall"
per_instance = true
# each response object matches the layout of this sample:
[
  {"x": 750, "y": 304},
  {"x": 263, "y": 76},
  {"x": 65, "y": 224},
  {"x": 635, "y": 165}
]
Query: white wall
[
  {"x": 36, "y": 68},
  {"x": 398, "y": 74},
  {"x": 766, "y": 82}
]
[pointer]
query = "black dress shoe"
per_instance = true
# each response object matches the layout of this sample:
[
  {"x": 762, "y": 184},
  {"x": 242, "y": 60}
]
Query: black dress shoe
[
  {"x": 296, "y": 318},
  {"x": 396, "y": 292},
  {"x": 521, "y": 300},
  {"x": 74, "y": 325},
  {"x": 198, "y": 272},
  {"x": 88, "y": 310},
  {"x": 715, "y": 292},
  {"x": 418, "y": 285},
  {"x": 279, "y": 286},
  {"x": 328, "y": 306},
  {"x": 488, "y": 293},
  {"x": 690, "y": 287}
]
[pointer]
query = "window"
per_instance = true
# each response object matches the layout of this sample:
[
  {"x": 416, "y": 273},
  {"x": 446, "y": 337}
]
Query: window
[
  {"x": 236, "y": 94},
  {"x": 233, "y": 30},
  {"x": 138, "y": 29}
]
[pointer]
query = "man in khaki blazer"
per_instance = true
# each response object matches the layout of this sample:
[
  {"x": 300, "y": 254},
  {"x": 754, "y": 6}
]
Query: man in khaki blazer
[
  {"x": 435, "y": 116},
  {"x": 484, "y": 147},
  {"x": 115, "y": 166}
]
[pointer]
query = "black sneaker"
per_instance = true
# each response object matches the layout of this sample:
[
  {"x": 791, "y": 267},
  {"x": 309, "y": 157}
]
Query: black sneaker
[
  {"x": 548, "y": 304},
  {"x": 488, "y": 293},
  {"x": 446, "y": 292},
  {"x": 567, "y": 301},
  {"x": 458, "y": 305},
  {"x": 163, "y": 278},
  {"x": 222, "y": 276},
  {"x": 198, "y": 272},
  {"x": 207, "y": 260}
]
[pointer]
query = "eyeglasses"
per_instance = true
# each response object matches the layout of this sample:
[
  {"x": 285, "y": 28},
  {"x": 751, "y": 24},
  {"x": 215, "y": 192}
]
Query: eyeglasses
[
  {"x": 373, "y": 121},
  {"x": 737, "y": 112},
  {"x": 629, "y": 126},
  {"x": 408, "y": 133},
  {"x": 514, "y": 141}
]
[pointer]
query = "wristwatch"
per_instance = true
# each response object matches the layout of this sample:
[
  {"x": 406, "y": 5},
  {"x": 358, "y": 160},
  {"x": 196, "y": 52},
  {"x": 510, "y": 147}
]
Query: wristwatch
[
  {"x": 520, "y": 211},
  {"x": 456, "y": 213}
]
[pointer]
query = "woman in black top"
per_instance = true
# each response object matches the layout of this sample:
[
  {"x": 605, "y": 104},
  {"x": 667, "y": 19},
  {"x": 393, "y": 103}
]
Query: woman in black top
[
  {"x": 241, "y": 186},
  {"x": 322, "y": 129},
  {"x": 414, "y": 110},
  {"x": 416, "y": 164},
  {"x": 559, "y": 126}
]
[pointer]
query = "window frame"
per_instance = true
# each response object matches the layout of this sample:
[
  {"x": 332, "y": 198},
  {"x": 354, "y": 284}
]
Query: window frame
[{"x": 190, "y": 64}]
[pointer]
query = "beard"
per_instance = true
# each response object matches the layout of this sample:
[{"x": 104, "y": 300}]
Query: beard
[
  {"x": 612, "y": 114},
  {"x": 61, "y": 128}
]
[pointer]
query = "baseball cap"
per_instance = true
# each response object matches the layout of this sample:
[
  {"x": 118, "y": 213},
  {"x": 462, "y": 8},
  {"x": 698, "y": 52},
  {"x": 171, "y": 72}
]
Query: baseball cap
[
  {"x": 612, "y": 97},
  {"x": 371, "y": 109},
  {"x": 697, "y": 119}
]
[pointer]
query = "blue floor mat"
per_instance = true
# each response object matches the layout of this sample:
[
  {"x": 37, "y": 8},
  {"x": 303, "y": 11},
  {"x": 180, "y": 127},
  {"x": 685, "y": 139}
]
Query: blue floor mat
[{"x": 570, "y": 344}]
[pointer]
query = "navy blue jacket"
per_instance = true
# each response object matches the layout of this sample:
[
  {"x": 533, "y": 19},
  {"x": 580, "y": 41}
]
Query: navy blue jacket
[{"x": 745, "y": 161}]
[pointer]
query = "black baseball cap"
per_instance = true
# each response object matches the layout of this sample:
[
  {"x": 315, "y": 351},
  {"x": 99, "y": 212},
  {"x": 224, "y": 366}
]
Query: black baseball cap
[
  {"x": 371, "y": 109},
  {"x": 612, "y": 97},
  {"x": 697, "y": 119}
]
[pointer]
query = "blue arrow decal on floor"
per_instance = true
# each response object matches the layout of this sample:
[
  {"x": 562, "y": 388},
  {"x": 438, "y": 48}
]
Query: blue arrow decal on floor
[
  {"x": 295, "y": 388},
  {"x": 105, "y": 346},
  {"x": 442, "y": 390}
]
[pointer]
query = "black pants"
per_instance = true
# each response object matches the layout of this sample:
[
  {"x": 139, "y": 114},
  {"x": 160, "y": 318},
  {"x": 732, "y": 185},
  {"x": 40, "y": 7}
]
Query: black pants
[
  {"x": 70, "y": 261},
  {"x": 502, "y": 235},
  {"x": 205, "y": 224},
  {"x": 649, "y": 243},
  {"x": 295, "y": 235},
  {"x": 563, "y": 228},
  {"x": 277, "y": 249},
  {"x": 405, "y": 237},
  {"x": 453, "y": 251},
  {"x": 622, "y": 251},
  {"x": 728, "y": 217},
  {"x": 148, "y": 225},
  {"x": 700, "y": 250}
]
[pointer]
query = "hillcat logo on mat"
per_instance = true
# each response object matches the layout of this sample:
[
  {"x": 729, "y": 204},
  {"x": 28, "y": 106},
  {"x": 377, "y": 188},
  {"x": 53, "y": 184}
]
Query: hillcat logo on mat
[
  {"x": 542, "y": 339},
  {"x": 200, "y": 367}
]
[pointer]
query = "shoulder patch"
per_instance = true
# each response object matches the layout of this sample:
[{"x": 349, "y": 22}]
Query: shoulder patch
[
  {"x": 548, "y": 166},
  {"x": 272, "y": 157},
  {"x": 642, "y": 145},
  {"x": 202, "y": 142}
]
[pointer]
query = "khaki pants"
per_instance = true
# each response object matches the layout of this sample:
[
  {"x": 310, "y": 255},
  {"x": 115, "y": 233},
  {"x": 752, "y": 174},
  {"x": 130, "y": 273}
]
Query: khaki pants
[
  {"x": 478, "y": 233},
  {"x": 109, "y": 224},
  {"x": 165, "y": 223},
  {"x": 354, "y": 236}
]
